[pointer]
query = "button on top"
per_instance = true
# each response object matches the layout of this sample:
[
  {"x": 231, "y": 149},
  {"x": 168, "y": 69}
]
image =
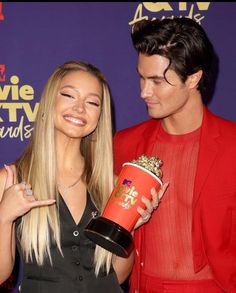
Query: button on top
[
  {"x": 76, "y": 233},
  {"x": 80, "y": 278},
  {"x": 74, "y": 247}
]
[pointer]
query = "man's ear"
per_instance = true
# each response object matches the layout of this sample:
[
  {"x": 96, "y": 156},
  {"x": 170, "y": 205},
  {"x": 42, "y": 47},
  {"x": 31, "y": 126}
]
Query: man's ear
[{"x": 193, "y": 79}]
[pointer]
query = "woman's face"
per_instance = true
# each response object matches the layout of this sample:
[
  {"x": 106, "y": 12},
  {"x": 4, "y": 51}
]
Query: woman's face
[{"x": 77, "y": 105}]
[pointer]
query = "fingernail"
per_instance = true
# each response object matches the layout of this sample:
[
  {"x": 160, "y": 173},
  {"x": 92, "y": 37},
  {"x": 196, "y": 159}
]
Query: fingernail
[
  {"x": 5, "y": 166},
  {"x": 139, "y": 210},
  {"x": 156, "y": 205}
]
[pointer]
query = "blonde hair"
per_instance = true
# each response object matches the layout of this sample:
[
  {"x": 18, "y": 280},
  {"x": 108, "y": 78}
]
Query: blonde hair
[{"x": 37, "y": 165}]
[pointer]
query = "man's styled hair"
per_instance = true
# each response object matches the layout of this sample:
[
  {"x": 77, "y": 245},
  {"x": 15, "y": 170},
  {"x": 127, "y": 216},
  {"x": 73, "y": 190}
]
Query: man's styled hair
[{"x": 182, "y": 40}]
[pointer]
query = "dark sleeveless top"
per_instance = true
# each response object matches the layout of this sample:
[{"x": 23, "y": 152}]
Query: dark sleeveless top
[{"x": 73, "y": 273}]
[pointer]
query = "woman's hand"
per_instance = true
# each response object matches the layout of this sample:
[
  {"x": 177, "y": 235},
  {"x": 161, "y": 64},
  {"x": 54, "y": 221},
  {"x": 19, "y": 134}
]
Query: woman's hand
[
  {"x": 18, "y": 198},
  {"x": 151, "y": 205}
]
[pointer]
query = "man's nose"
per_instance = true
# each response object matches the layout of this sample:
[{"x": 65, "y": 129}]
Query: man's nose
[{"x": 146, "y": 90}]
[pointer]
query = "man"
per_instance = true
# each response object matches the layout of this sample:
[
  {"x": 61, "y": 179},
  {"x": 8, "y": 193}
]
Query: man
[{"x": 189, "y": 243}]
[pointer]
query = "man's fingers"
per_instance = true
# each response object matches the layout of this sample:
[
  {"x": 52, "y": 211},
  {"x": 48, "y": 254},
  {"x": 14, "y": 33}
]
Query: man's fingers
[
  {"x": 148, "y": 204},
  {"x": 156, "y": 196},
  {"x": 145, "y": 216},
  {"x": 163, "y": 189}
]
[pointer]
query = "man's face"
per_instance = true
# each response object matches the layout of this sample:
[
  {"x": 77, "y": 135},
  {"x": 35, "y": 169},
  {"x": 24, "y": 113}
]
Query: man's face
[{"x": 163, "y": 99}]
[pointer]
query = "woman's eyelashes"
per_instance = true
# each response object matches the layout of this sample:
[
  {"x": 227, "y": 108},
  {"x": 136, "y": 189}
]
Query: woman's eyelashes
[
  {"x": 87, "y": 101},
  {"x": 96, "y": 104},
  {"x": 67, "y": 95}
]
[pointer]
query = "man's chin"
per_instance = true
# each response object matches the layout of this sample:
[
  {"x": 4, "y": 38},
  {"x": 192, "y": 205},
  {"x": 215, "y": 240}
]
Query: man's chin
[{"x": 154, "y": 114}]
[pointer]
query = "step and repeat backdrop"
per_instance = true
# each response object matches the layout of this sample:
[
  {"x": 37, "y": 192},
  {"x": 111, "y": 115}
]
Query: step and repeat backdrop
[{"x": 37, "y": 37}]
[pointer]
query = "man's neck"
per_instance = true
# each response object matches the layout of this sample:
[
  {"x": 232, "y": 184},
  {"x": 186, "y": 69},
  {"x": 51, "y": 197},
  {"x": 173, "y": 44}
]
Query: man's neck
[{"x": 186, "y": 120}]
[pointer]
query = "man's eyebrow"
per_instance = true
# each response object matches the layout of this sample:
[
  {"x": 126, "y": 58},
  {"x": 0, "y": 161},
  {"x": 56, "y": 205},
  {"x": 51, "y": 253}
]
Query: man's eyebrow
[
  {"x": 152, "y": 77},
  {"x": 156, "y": 77}
]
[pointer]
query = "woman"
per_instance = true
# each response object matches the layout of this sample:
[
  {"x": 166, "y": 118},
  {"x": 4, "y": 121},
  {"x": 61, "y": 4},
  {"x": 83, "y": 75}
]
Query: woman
[{"x": 63, "y": 178}]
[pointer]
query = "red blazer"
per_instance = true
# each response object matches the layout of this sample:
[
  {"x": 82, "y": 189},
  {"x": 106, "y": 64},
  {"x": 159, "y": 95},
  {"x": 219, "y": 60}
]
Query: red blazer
[{"x": 214, "y": 199}]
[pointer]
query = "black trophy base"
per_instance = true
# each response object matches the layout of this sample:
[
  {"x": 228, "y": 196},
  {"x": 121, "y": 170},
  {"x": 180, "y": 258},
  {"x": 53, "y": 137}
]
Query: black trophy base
[{"x": 110, "y": 236}]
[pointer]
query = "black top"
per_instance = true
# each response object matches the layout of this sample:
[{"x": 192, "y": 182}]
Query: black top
[{"x": 73, "y": 273}]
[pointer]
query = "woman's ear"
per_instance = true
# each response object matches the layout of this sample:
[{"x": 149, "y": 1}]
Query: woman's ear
[{"x": 193, "y": 79}]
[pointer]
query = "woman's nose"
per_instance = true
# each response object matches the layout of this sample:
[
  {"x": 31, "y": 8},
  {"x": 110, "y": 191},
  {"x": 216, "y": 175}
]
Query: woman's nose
[{"x": 78, "y": 106}]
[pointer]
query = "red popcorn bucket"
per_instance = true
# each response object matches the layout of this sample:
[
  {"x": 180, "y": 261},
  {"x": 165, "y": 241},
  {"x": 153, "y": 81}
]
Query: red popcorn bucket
[{"x": 112, "y": 229}]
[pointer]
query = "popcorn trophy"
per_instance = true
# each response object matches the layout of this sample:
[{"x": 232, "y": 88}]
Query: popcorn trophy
[{"x": 112, "y": 230}]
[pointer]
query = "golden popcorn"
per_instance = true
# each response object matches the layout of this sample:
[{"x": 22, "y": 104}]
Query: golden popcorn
[{"x": 151, "y": 164}]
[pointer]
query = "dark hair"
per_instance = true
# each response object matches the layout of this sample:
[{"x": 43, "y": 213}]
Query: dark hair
[{"x": 182, "y": 40}]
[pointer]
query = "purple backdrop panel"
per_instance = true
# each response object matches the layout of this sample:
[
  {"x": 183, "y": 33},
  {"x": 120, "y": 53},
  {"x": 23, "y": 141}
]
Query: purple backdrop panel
[{"x": 37, "y": 37}]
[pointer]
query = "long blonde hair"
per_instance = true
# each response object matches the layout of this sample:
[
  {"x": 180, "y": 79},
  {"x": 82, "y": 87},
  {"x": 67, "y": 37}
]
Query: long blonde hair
[{"x": 37, "y": 166}]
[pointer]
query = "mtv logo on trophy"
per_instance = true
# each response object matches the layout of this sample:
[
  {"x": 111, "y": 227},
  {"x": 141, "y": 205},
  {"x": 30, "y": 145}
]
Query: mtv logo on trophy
[{"x": 112, "y": 230}]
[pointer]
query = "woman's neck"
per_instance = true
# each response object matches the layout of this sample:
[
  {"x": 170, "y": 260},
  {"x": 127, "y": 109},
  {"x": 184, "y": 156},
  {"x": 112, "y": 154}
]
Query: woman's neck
[{"x": 69, "y": 157}]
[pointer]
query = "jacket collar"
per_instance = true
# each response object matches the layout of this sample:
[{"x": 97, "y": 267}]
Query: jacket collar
[
  {"x": 208, "y": 150},
  {"x": 149, "y": 138}
]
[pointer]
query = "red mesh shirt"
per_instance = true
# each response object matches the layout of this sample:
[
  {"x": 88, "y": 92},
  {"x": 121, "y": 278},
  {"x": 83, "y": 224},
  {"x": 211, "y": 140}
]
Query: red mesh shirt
[{"x": 167, "y": 236}]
